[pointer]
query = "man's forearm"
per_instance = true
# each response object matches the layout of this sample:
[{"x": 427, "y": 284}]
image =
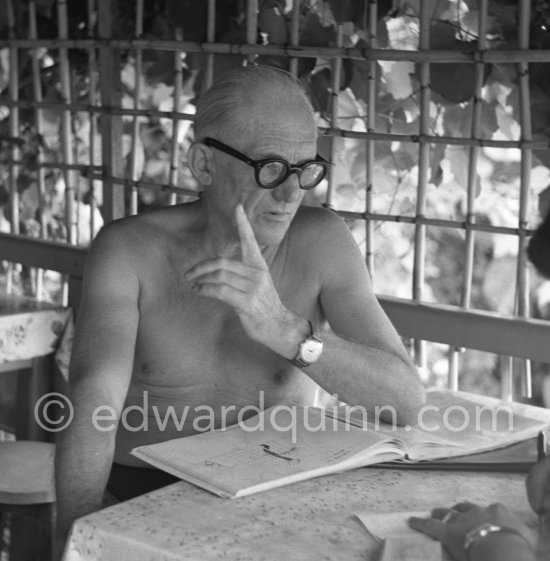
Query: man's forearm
[
  {"x": 360, "y": 374},
  {"x": 365, "y": 375},
  {"x": 83, "y": 462}
]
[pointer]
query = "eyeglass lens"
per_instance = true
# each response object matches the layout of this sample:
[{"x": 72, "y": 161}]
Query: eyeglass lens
[{"x": 272, "y": 174}]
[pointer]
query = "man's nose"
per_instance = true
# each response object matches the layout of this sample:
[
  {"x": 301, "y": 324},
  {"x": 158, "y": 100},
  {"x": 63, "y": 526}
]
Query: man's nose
[{"x": 289, "y": 191}]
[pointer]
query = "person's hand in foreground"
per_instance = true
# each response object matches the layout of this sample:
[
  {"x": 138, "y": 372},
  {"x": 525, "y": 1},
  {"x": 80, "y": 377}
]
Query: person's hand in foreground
[
  {"x": 538, "y": 487},
  {"x": 454, "y": 527}
]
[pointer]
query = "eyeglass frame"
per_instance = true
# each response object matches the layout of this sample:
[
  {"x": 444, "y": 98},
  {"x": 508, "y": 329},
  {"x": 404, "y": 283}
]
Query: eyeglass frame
[{"x": 258, "y": 164}]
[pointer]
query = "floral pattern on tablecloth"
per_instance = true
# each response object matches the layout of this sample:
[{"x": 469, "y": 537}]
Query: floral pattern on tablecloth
[
  {"x": 27, "y": 332},
  {"x": 307, "y": 521}
]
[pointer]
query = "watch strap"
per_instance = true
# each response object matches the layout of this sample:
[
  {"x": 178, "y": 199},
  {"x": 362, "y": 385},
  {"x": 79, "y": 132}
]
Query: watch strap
[{"x": 482, "y": 531}]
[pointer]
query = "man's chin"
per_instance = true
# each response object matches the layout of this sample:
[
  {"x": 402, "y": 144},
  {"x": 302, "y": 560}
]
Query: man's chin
[
  {"x": 271, "y": 228},
  {"x": 270, "y": 236}
]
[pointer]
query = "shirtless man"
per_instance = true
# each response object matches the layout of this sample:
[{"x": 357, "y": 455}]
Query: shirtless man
[{"x": 207, "y": 303}]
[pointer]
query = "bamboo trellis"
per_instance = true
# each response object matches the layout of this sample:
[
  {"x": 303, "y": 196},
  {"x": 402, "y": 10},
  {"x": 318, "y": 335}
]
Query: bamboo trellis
[{"x": 109, "y": 180}]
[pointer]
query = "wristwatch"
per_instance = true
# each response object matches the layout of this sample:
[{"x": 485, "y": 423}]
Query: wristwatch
[{"x": 309, "y": 351}]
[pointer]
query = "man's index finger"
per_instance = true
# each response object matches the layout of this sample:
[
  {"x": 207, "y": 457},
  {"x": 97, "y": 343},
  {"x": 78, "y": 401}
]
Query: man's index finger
[{"x": 249, "y": 246}]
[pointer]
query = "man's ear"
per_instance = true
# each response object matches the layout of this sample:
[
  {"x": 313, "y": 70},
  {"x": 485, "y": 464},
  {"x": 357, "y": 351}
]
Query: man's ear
[{"x": 199, "y": 158}]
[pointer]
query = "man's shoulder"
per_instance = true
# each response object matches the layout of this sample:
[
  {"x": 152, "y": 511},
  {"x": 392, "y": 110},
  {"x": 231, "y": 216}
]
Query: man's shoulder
[
  {"x": 121, "y": 235},
  {"x": 318, "y": 224},
  {"x": 324, "y": 236},
  {"x": 317, "y": 217},
  {"x": 145, "y": 230}
]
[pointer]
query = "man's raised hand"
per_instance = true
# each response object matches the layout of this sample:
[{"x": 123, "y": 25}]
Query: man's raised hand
[{"x": 248, "y": 288}]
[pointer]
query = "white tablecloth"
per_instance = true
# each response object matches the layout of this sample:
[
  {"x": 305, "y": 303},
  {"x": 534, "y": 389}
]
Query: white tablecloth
[{"x": 311, "y": 520}]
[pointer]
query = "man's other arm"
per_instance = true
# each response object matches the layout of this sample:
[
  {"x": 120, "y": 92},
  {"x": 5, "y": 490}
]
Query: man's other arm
[
  {"x": 364, "y": 360},
  {"x": 100, "y": 372}
]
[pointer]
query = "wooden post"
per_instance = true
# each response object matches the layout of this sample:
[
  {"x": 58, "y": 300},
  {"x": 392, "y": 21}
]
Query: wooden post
[
  {"x": 336, "y": 73},
  {"x": 522, "y": 273},
  {"x": 370, "y": 125},
  {"x": 110, "y": 124},
  {"x": 93, "y": 78},
  {"x": 419, "y": 271},
  {"x": 15, "y": 153},
  {"x": 39, "y": 124},
  {"x": 471, "y": 192}
]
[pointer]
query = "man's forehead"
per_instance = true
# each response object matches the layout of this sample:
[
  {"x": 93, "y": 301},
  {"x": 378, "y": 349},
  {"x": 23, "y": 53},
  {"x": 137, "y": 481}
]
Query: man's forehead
[
  {"x": 267, "y": 136},
  {"x": 280, "y": 137},
  {"x": 295, "y": 120},
  {"x": 280, "y": 103}
]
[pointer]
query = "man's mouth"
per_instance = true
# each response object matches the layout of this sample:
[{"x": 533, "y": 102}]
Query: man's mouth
[{"x": 277, "y": 216}]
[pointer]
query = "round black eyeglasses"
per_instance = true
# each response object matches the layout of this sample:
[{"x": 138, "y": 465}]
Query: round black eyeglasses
[{"x": 271, "y": 172}]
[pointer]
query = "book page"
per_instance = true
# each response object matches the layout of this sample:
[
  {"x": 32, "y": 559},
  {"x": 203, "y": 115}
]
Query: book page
[
  {"x": 276, "y": 447},
  {"x": 458, "y": 423},
  {"x": 472, "y": 423},
  {"x": 285, "y": 444}
]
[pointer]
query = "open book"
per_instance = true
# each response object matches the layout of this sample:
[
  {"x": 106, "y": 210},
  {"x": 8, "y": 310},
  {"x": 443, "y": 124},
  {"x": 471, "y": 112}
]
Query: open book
[{"x": 286, "y": 444}]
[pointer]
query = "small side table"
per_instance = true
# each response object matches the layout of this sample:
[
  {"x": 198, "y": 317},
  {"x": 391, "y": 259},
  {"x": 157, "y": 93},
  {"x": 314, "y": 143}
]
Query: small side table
[{"x": 29, "y": 334}]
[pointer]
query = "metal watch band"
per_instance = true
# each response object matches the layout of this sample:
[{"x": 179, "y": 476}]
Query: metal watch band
[{"x": 482, "y": 531}]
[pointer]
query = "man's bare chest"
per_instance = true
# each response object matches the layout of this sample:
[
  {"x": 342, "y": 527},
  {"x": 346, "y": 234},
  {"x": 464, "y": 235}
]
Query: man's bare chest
[{"x": 186, "y": 338}]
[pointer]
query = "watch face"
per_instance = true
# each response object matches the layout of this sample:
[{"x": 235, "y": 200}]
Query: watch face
[{"x": 311, "y": 350}]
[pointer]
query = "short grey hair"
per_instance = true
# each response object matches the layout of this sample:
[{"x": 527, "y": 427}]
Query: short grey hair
[{"x": 219, "y": 107}]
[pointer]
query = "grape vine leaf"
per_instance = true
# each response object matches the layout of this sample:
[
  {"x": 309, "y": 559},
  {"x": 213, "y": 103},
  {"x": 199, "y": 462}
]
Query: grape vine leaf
[{"x": 454, "y": 82}]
